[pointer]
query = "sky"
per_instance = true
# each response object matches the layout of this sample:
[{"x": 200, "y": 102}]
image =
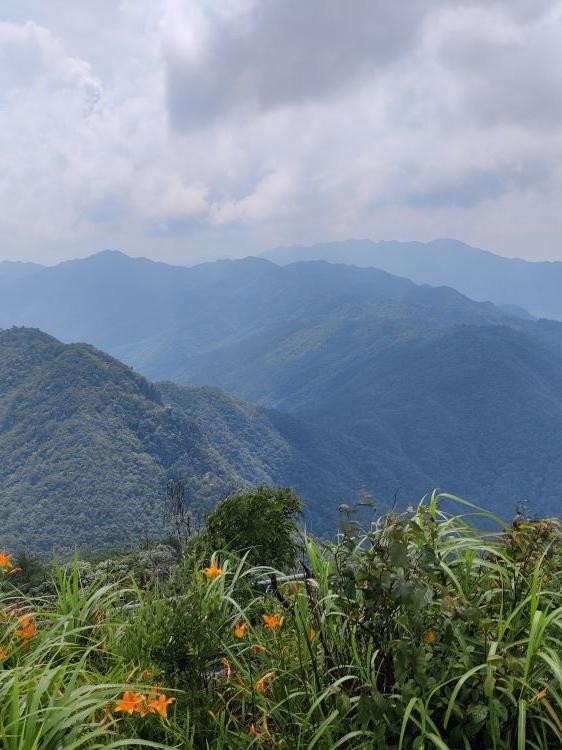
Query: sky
[{"x": 185, "y": 130}]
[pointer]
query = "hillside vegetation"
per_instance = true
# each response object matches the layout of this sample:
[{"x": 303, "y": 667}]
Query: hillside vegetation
[
  {"x": 419, "y": 632},
  {"x": 87, "y": 447}
]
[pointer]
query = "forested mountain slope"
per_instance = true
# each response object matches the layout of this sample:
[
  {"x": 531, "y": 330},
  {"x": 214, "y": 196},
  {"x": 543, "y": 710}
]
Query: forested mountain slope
[{"x": 87, "y": 445}]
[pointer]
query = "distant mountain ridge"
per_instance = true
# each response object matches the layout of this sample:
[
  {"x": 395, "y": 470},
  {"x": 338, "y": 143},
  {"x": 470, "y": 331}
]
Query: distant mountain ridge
[
  {"x": 130, "y": 306},
  {"x": 17, "y": 269},
  {"x": 522, "y": 286},
  {"x": 394, "y": 386},
  {"x": 532, "y": 285}
]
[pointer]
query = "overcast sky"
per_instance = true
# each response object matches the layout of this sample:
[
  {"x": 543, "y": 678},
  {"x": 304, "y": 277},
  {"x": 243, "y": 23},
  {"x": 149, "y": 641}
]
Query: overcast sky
[{"x": 192, "y": 129}]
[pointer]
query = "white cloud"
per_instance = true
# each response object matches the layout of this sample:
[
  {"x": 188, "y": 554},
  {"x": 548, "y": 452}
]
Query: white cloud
[{"x": 161, "y": 195}]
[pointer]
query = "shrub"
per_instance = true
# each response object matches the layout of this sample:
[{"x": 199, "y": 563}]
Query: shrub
[{"x": 261, "y": 523}]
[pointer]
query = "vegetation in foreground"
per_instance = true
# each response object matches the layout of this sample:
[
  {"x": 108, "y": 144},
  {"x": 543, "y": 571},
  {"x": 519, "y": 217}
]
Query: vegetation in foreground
[{"x": 423, "y": 631}]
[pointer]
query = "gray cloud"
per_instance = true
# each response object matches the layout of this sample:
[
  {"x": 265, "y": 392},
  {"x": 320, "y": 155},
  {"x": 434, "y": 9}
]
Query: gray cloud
[
  {"x": 511, "y": 72},
  {"x": 287, "y": 51},
  {"x": 475, "y": 185}
]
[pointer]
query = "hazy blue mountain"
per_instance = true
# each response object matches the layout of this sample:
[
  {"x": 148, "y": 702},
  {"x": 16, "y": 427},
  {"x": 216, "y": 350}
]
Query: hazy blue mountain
[
  {"x": 402, "y": 387},
  {"x": 161, "y": 318},
  {"x": 104, "y": 299},
  {"x": 253, "y": 333},
  {"x": 425, "y": 382},
  {"x": 534, "y": 286},
  {"x": 17, "y": 269}
]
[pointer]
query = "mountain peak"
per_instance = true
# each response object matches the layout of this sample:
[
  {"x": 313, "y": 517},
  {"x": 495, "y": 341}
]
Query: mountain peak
[{"x": 103, "y": 256}]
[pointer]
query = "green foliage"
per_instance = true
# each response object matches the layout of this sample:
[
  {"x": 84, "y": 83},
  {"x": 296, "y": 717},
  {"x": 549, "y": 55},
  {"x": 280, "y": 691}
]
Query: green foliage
[
  {"x": 421, "y": 631},
  {"x": 60, "y": 674},
  {"x": 261, "y": 524}
]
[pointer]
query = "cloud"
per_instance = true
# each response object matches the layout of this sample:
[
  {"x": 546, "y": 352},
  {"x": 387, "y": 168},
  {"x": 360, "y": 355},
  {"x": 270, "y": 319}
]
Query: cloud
[
  {"x": 31, "y": 57},
  {"x": 47, "y": 94},
  {"x": 509, "y": 63},
  {"x": 188, "y": 130},
  {"x": 82, "y": 162},
  {"x": 279, "y": 52}
]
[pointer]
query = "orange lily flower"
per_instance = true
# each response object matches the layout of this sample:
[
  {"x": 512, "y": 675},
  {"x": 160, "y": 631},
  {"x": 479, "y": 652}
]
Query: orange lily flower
[
  {"x": 131, "y": 703},
  {"x": 160, "y": 705},
  {"x": 240, "y": 629},
  {"x": 5, "y": 562},
  {"x": 272, "y": 622},
  {"x": 430, "y": 636},
  {"x": 213, "y": 571},
  {"x": 27, "y": 629}
]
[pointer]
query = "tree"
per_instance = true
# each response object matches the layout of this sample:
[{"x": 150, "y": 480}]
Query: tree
[
  {"x": 178, "y": 513},
  {"x": 262, "y": 522}
]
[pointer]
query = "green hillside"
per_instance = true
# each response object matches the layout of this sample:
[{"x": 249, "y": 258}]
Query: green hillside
[
  {"x": 87, "y": 446},
  {"x": 477, "y": 409},
  {"x": 326, "y": 466}
]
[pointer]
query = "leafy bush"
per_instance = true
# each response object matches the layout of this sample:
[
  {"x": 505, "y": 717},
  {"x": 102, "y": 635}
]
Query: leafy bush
[{"x": 261, "y": 523}]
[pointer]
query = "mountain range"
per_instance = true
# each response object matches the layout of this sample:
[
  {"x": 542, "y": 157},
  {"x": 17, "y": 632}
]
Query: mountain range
[
  {"x": 366, "y": 379},
  {"x": 522, "y": 285}
]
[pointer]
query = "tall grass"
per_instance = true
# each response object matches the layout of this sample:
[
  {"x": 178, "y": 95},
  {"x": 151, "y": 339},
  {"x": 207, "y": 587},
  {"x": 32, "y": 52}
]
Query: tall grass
[{"x": 61, "y": 676}]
